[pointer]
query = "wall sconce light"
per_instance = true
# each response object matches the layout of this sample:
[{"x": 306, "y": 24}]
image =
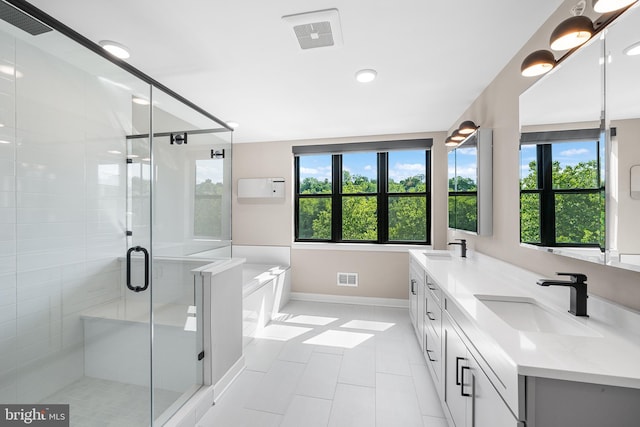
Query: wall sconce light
[
  {"x": 457, "y": 136},
  {"x": 467, "y": 127},
  {"x": 605, "y": 6},
  {"x": 450, "y": 142},
  {"x": 571, "y": 33},
  {"x": 537, "y": 63}
]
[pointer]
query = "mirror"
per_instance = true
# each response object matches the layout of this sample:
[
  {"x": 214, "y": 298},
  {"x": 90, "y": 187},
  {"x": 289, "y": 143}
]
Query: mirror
[
  {"x": 580, "y": 141},
  {"x": 622, "y": 114},
  {"x": 562, "y": 192},
  {"x": 470, "y": 184}
]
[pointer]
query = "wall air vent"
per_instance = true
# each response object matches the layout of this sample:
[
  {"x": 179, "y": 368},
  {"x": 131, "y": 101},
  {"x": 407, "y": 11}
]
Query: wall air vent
[
  {"x": 316, "y": 29},
  {"x": 21, "y": 20},
  {"x": 348, "y": 279}
]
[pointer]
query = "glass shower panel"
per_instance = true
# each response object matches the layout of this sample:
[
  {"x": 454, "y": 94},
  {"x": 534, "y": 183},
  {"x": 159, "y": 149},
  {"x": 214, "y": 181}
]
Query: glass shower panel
[
  {"x": 191, "y": 199},
  {"x": 67, "y": 334}
]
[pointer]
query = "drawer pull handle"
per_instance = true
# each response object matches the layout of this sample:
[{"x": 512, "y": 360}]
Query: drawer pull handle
[
  {"x": 431, "y": 287},
  {"x": 462, "y": 393},
  {"x": 413, "y": 282},
  {"x": 429, "y": 355},
  {"x": 430, "y": 315},
  {"x": 458, "y": 359}
]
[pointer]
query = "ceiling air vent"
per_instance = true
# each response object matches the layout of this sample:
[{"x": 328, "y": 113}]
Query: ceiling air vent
[
  {"x": 22, "y": 20},
  {"x": 316, "y": 29}
]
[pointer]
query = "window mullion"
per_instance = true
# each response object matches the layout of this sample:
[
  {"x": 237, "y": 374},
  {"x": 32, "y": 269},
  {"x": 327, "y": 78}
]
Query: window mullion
[
  {"x": 336, "y": 198},
  {"x": 547, "y": 196},
  {"x": 383, "y": 198}
]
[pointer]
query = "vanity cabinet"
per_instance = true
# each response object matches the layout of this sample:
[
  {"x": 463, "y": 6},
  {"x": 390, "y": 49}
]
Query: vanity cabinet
[
  {"x": 416, "y": 300},
  {"x": 490, "y": 373},
  {"x": 432, "y": 329},
  {"x": 470, "y": 397}
]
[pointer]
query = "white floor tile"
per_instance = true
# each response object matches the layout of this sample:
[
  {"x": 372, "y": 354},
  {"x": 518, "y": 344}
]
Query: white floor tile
[
  {"x": 275, "y": 390},
  {"x": 396, "y": 402},
  {"x": 260, "y": 353},
  {"x": 320, "y": 376},
  {"x": 359, "y": 366},
  {"x": 434, "y": 422},
  {"x": 353, "y": 406},
  {"x": 391, "y": 357},
  {"x": 308, "y": 412},
  {"x": 296, "y": 351},
  {"x": 370, "y": 373},
  {"x": 425, "y": 391},
  {"x": 240, "y": 417}
]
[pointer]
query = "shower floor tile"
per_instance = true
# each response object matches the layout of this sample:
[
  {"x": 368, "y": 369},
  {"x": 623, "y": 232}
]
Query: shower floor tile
[{"x": 95, "y": 402}]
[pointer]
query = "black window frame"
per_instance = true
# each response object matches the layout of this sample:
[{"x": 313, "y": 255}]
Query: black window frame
[
  {"x": 382, "y": 195},
  {"x": 546, "y": 192}
]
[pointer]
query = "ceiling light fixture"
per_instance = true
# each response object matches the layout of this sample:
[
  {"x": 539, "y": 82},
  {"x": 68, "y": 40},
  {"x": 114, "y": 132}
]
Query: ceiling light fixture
[
  {"x": 605, "y": 6},
  {"x": 366, "y": 76},
  {"x": 233, "y": 124},
  {"x": 571, "y": 33},
  {"x": 467, "y": 127},
  {"x": 633, "y": 50},
  {"x": 114, "y": 48},
  {"x": 537, "y": 63}
]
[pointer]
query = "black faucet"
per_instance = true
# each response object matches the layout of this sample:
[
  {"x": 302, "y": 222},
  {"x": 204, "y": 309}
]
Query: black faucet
[
  {"x": 578, "y": 283},
  {"x": 463, "y": 247}
]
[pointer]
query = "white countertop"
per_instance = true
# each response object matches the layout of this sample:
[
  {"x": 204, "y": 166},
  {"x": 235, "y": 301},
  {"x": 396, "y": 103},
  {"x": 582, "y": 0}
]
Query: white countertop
[{"x": 610, "y": 356}]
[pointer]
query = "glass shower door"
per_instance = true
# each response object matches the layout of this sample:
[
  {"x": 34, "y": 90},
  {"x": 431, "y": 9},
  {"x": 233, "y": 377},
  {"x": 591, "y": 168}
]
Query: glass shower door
[{"x": 191, "y": 203}]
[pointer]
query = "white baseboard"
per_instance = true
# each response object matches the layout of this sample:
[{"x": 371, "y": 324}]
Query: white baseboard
[
  {"x": 342, "y": 299},
  {"x": 228, "y": 378}
]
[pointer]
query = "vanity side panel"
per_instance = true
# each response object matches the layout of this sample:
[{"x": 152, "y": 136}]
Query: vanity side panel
[{"x": 552, "y": 402}]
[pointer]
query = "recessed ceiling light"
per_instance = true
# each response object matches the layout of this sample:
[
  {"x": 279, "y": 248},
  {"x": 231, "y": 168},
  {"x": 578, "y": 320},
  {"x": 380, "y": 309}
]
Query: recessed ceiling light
[
  {"x": 4, "y": 142},
  {"x": 366, "y": 76},
  {"x": 114, "y": 48},
  {"x": 114, "y": 152},
  {"x": 632, "y": 50},
  {"x": 233, "y": 124}
]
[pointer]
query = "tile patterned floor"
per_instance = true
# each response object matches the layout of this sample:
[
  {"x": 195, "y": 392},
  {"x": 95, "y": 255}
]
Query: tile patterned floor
[
  {"x": 334, "y": 365},
  {"x": 95, "y": 402}
]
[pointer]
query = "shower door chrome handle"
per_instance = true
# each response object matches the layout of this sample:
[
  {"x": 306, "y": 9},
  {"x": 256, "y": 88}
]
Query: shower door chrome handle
[{"x": 146, "y": 269}]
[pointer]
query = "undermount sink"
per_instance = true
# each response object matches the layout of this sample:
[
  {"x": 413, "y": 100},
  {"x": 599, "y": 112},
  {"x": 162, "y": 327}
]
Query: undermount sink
[
  {"x": 525, "y": 314},
  {"x": 435, "y": 255}
]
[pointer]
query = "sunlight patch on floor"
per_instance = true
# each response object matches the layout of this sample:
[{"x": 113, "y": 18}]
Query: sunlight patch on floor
[{"x": 342, "y": 339}]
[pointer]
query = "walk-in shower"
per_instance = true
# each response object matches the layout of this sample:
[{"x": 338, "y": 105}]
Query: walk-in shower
[{"x": 102, "y": 220}]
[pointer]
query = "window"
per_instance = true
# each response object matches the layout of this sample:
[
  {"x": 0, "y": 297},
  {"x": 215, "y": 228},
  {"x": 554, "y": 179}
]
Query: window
[
  {"x": 209, "y": 188},
  {"x": 359, "y": 196},
  {"x": 562, "y": 192}
]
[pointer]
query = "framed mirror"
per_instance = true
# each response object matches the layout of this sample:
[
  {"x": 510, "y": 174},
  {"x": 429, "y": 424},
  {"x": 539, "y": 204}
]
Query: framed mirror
[
  {"x": 562, "y": 157},
  {"x": 580, "y": 152},
  {"x": 622, "y": 121},
  {"x": 471, "y": 184}
]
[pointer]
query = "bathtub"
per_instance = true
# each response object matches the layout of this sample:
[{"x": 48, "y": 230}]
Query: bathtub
[{"x": 265, "y": 290}]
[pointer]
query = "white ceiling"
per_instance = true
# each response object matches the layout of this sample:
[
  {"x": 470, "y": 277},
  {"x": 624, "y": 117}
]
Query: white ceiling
[{"x": 239, "y": 60}]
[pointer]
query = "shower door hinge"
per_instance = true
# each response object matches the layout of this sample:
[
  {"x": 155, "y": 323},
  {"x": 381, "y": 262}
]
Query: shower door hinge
[
  {"x": 129, "y": 160},
  {"x": 201, "y": 355},
  {"x": 217, "y": 154},
  {"x": 129, "y": 233}
]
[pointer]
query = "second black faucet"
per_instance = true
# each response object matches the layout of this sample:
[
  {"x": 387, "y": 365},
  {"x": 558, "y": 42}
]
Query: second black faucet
[{"x": 463, "y": 247}]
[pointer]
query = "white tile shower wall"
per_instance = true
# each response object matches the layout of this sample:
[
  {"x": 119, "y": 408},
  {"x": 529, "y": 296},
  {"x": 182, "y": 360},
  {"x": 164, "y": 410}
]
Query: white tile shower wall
[{"x": 62, "y": 215}]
